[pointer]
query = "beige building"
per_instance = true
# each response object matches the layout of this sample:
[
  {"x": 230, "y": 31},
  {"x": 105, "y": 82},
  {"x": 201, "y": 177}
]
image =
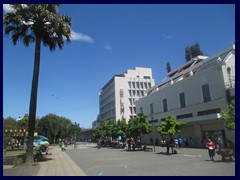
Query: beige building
[
  {"x": 195, "y": 93},
  {"x": 117, "y": 97}
]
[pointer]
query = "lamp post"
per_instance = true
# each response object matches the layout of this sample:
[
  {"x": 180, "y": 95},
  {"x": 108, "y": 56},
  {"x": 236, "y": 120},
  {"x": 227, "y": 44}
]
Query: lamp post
[
  {"x": 75, "y": 135},
  {"x": 229, "y": 74}
]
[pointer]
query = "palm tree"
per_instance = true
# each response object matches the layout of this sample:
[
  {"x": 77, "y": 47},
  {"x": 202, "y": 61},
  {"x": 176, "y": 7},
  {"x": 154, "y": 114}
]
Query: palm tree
[{"x": 36, "y": 23}]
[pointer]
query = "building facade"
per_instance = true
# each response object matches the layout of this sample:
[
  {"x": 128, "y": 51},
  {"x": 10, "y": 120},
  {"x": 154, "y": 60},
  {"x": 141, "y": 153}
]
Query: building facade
[
  {"x": 117, "y": 97},
  {"x": 195, "y": 93}
]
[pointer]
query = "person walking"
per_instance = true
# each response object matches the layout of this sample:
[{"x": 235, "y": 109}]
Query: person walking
[
  {"x": 133, "y": 144},
  {"x": 99, "y": 143},
  {"x": 176, "y": 142},
  {"x": 191, "y": 142},
  {"x": 139, "y": 146},
  {"x": 180, "y": 142},
  {"x": 211, "y": 149}
]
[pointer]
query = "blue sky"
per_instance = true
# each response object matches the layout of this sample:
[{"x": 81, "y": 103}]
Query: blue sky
[{"x": 108, "y": 40}]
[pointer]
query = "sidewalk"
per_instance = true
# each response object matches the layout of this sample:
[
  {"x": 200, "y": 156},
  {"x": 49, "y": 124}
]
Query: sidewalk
[{"x": 58, "y": 163}]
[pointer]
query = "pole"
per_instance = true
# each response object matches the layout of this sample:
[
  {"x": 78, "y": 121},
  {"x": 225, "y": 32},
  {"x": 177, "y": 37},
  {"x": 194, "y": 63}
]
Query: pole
[{"x": 75, "y": 135}]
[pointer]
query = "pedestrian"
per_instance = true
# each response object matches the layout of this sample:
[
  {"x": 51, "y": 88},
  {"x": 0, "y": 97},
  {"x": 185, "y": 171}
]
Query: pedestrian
[
  {"x": 139, "y": 143},
  {"x": 211, "y": 149},
  {"x": 133, "y": 144},
  {"x": 180, "y": 142},
  {"x": 186, "y": 142},
  {"x": 113, "y": 143},
  {"x": 129, "y": 143},
  {"x": 176, "y": 142},
  {"x": 191, "y": 142},
  {"x": 99, "y": 143},
  {"x": 219, "y": 143}
]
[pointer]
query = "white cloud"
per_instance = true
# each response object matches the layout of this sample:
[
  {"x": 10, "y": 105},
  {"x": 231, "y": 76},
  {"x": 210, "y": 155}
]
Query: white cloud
[
  {"x": 81, "y": 37},
  {"x": 168, "y": 36},
  {"x": 107, "y": 47}
]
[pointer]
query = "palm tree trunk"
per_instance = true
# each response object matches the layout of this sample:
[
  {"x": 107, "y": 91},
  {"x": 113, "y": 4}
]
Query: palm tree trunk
[{"x": 33, "y": 102}]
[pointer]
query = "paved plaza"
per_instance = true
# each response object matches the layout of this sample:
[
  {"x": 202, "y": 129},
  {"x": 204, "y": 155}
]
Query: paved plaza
[
  {"x": 118, "y": 162},
  {"x": 88, "y": 160}
]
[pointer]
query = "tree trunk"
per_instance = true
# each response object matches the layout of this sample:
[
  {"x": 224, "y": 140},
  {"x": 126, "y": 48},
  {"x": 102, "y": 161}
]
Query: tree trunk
[{"x": 33, "y": 103}]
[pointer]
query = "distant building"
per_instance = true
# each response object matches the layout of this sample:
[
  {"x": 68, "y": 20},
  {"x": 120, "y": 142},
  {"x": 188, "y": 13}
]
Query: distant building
[
  {"x": 195, "y": 93},
  {"x": 116, "y": 100},
  {"x": 95, "y": 123},
  {"x": 86, "y": 135}
]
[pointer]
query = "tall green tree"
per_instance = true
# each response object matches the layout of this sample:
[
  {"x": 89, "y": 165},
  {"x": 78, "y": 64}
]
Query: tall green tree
[
  {"x": 198, "y": 50},
  {"x": 193, "y": 51},
  {"x": 106, "y": 129},
  {"x": 111, "y": 129},
  {"x": 122, "y": 128},
  {"x": 188, "y": 55},
  {"x": 55, "y": 127},
  {"x": 23, "y": 122},
  {"x": 138, "y": 126},
  {"x": 169, "y": 68},
  {"x": 39, "y": 24},
  {"x": 228, "y": 115},
  {"x": 9, "y": 122},
  {"x": 170, "y": 127}
]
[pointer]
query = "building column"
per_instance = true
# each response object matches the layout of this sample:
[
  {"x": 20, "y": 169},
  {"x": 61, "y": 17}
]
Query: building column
[{"x": 198, "y": 134}]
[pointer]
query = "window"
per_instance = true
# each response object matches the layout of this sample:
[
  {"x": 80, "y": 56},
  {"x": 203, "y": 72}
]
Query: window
[
  {"x": 146, "y": 77},
  {"x": 206, "y": 93},
  {"x": 133, "y": 84},
  {"x": 129, "y": 84},
  {"x": 130, "y": 101},
  {"x": 134, "y": 110},
  {"x": 130, "y": 92},
  {"x": 151, "y": 108},
  {"x": 134, "y": 93},
  {"x": 138, "y": 93},
  {"x": 183, "y": 116},
  {"x": 145, "y": 84},
  {"x": 138, "y": 85},
  {"x": 121, "y": 93},
  {"x": 165, "y": 109},
  {"x": 149, "y": 85},
  {"x": 210, "y": 111},
  {"x": 141, "y": 84},
  {"x": 182, "y": 100},
  {"x": 130, "y": 109}
]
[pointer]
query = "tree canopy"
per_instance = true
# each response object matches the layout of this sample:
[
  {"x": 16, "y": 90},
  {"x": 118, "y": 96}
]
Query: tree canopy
[
  {"x": 136, "y": 127},
  {"x": 193, "y": 51},
  {"x": 56, "y": 127},
  {"x": 139, "y": 126},
  {"x": 169, "y": 68},
  {"x": 170, "y": 126},
  {"x": 228, "y": 115},
  {"x": 39, "y": 24}
]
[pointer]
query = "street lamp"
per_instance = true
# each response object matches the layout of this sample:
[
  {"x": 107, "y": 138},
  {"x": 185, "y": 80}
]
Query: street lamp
[
  {"x": 229, "y": 74},
  {"x": 75, "y": 135}
]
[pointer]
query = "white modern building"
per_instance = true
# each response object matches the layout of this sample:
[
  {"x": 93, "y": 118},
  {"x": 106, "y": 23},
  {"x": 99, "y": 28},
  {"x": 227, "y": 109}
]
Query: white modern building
[
  {"x": 195, "y": 93},
  {"x": 117, "y": 97}
]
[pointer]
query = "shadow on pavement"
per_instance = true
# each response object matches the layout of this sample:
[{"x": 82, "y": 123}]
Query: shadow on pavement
[
  {"x": 225, "y": 161},
  {"x": 164, "y": 153},
  {"x": 47, "y": 159}
]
